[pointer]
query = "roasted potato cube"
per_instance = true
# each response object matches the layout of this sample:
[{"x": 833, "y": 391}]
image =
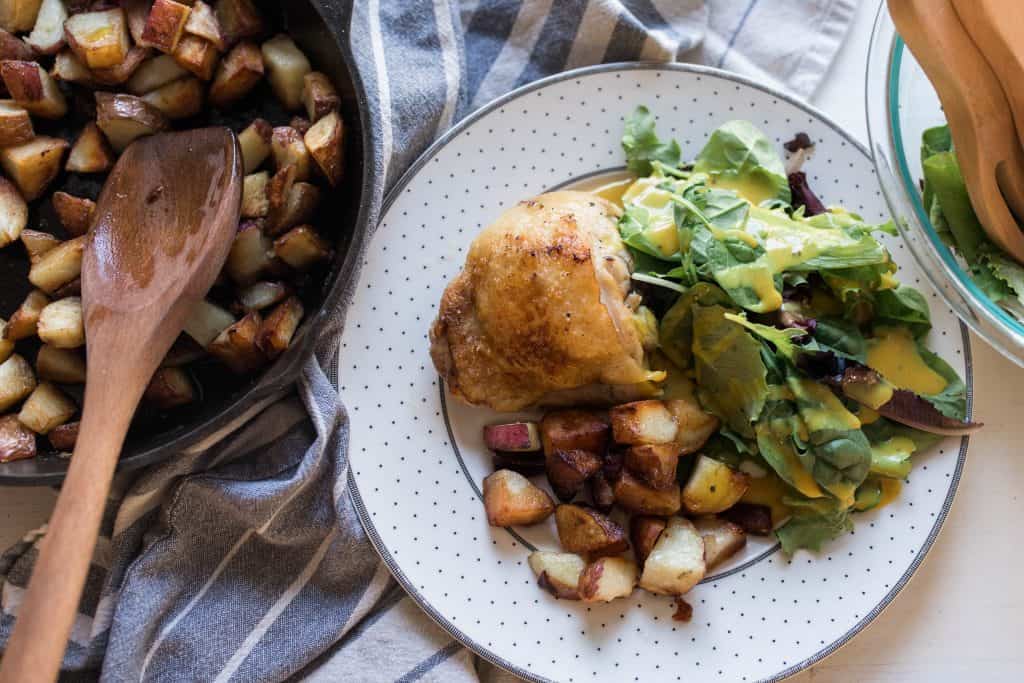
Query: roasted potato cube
[
  {"x": 17, "y": 442},
  {"x": 250, "y": 257},
  {"x": 45, "y": 408},
  {"x": 261, "y": 295},
  {"x": 74, "y": 213},
  {"x": 155, "y": 73},
  {"x": 170, "y": 388},
  {"x": 15, "y": 124},
  {"x": 280, "y": 186},
  {"x": 47, "y": 37},
  {"x": 255, "y": 203},
  {"x": 239, "y": 72},
  {"x": 99, "y": 39},
  {"x": 239, "y": 19},
  {"x": 512, "y": 437},
  {"x": 511, "y": 499},
  {"x": 24, "y": 321},
  {"x": 301, "y": 248},
  {"x": 319, "y": 96},
  {"x": 122, "y": 73},
  {"x": 63, "y": 366},
  {"x": 695, "y": 426},
  {"x": 713, "y": 487},
  {"x": 61, "y": 324},
  {"x": 601, "y": 492},
  {"x": 325, "y": 141},
  {"x": 165, "y": 25},
  {"x": 635, "y": 496},
  {"x": 16, "y": 381},
  {"x": 255, "y": 144},
  {"x": 13, "y": 213},
  {"x": 279, "y": 327},
  {"x": 676, "y": 562},
  {"x": 178, "y": 100},
  {"x": 558, "y": 573},
  {"x": 654, "y": 464},
  {"x": 206, "y": 322},
  {"x": 574, "y": 430},
  {"x": 64, "y": 437},
  {"x": 568, "y": 471},
  {"x": 90, "y": 153},
  {"x": 608, "y": 578},
  {"x": 202, "y": 22},
  {"x": 69, "y": 68},
  {"x": 58, "y": 266},
  {"x": 585, "y": 530},
  {"x": 300, "y": 207},
  {"x": 198, "y": 55},
  {"x": 286, "y": 68},
  {"x": 6, "y": 345},
  {"x": 33, "y": 165},
  {"x": 236, "y": 346},
  {"x": 13, "y": 47},
  {"x": 643, "y": 422},
  {"x": 722, "y": 539},
  {"x": 136, "y": 14},
  {"x": 18, "y": 16},
  {"x": 644, "y": 532},
  {"x": 301, "y": 124},
  {"x": 289, "y": 149},
  {"x": 37, "y": 243},
  {"x": 752, "y": 518},
  {"x": 33, "y": 89},
  {"x": 126, "y": 118}
]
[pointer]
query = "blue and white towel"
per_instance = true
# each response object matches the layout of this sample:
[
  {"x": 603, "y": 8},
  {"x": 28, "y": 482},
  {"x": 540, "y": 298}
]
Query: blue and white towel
[{"x": 243, "y": 559}]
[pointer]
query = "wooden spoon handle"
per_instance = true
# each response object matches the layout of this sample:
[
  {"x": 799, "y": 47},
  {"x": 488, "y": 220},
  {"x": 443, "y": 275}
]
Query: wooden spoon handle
[{"x": 45, "y": 618}]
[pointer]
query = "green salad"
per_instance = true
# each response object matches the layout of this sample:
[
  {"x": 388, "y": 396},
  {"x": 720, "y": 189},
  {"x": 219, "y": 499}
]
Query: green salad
[{"x": 789, "y": 322}]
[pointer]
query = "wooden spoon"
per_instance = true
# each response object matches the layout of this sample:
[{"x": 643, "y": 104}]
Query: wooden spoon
[
  {"x": 978, "y": 113},
  {"x": 164, "y": 224}
]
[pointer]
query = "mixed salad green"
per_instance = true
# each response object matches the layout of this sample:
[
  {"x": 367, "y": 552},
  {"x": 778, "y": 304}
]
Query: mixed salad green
[{"x": 791, "y": 326}]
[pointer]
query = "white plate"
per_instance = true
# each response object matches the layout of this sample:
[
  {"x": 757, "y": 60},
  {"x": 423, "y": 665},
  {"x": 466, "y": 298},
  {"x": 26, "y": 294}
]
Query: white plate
[{"x": 418, "y": 458}]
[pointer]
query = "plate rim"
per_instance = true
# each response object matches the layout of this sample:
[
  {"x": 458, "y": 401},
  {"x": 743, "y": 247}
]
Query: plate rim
[{"x": 421, "y": 161}]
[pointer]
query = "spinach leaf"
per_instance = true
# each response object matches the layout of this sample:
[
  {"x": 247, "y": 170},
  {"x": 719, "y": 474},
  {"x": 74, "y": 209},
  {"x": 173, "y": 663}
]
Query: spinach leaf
[
  {"x": 869, "y": 495},
  {"x": 676, "y": 331},
  {"x": 813, "y": 523},
  {"x": 944, "y": 179},
  {"x": 841, "y": 337},
  {"x": 1007, "y": 272},
  {"x": 882, "y": 430},
  {"x": 903, "y": 306},
  {"x": 739, "y": 155},
  {"x": 778, "y": 435},
  {"x": 952, "y": 401},
  {"x": 642, "y": 145},
  {"x": 936, "y": 140},
  {"x": 636, "y": 230},
  {"x": 891, "y": 458}
]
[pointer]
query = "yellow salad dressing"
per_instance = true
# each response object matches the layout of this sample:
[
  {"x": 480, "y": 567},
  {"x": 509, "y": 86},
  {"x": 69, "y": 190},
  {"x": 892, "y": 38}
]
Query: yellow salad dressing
[
  {"x": 893, "y": 352},
  {"x": 769, "y": 491}
]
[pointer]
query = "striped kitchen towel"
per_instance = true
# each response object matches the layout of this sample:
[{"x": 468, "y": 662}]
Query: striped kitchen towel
[{"x": 243, "y": 559}]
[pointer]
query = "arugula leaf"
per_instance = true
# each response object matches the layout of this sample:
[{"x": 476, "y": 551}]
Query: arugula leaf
[
  {"x": 642, "y": 145},
  {"x": 783, "y": 340},
  {"x": 903, "y": 306},
  {"x": 739, "y": 155},
  {"x": 813, "y": 523}
]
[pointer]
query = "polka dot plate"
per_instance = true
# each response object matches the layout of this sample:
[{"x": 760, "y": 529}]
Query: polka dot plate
[{"x": 418, "y": 458}]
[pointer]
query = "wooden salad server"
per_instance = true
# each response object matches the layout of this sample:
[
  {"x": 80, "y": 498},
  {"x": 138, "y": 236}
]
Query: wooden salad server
[
  {"x": 982, "y": 127},
  {"x": 162, "y": 230}
]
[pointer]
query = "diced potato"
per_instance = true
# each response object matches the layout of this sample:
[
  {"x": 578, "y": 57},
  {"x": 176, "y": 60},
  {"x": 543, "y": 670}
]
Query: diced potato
[
  {"x": 255, "y": 144},
  {"x": 286, "y": 69},
  {"x": 90, "y": 153},
  {"x": 13, "y": 213},
  {"x": 752, "y": 518},
  {"x": 237, "y": 75},
  {"x": 239, "y": 19},
  {"x": 574, "y": 430},
  {"x": 608, "y": 578},
  {"x": 676, "y": 563},
  {"x": 75, "y": 213},
  {"x": 300, "y": 207},
  {"x": 695, "y": 426},
  {"x": 280, "y": 186},
  {"x": 643, "y": 422},
  {"x": 180, "y": 99},
  {"x": 33, "y": 89},
  {"x": 47, "y": 407},
  {"x": 63, "y": 366},
  {"x": 558, "y": 573},
  {"x": 722, "y": 539},
  {"x": 236, "y": 346},
  {"x": 18, "y": 16},
  {"x": 13, "y": 47},
  {"x": 198, "y": 56},
  {"x": 47, "y": 37},
  {"x": 654, "y": 464},
  {"x": 61, "y": 324},
  {"x": 203, "y": 22},
  {"x": 585, "y": 530},
  {"x": 568, "y": 471},
  {"x": 136, "y": 13},
  {"x": 325, "y": 141},
  {"x": 170, "y": 388},
  {"x": 644, "y": 532},
  {"x": 261, "y": 295},
  {"x": 100, "y": 39},
  {"x": 279, "y": 327},
  {"x": 251, "y": 255},
  {"x": 122, "y": 73},
  {"x": 601, "y": 492},
  {"x": 24, "y": 322},
  {"x": 64, "y": 437},
  {"x": 17, "y": 442},
  {"x": 58, "y": 266},
  {"x": 635, "y": 496},
  {"x": 511, "y": 499},
  {"x": 15, "y": 124},
  {"x": 16, "y": 381},
  {"x": 69, "y": 68},
  {"x": 512, "y": 437},
  {"x": 319, "y": 96},
  {"x": 255, "y": 203},
  {"x": 33, "y": 165},
  {"x": 37, "y": 243},
  {"x": 155, "y": 73},
  {"x": 301, "y": 248},
  {"x": 206, "y": 322},
  {"x": 165, "y": 25},
  {"x": 289, "y": 149},
  {"x": 6, "y": 345},
  {"x": 713, "y": 487},
  {"x": 126, "y": 118}
]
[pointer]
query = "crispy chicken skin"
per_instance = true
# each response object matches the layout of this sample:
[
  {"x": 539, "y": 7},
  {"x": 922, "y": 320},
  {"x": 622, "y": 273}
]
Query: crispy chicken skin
[{"x": 541, "y": 307}]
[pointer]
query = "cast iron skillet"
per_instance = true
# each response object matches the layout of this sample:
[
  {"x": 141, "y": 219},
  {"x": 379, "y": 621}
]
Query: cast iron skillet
[{"x": 320, "y": 27}]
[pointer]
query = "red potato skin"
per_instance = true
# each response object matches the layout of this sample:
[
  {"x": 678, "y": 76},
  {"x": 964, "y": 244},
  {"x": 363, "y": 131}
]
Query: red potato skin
[
  {"x": 516, "y": 437},
  {"x": 64, "y": 437},
  {"x": 16, "y": 442},
  {"x": 644, "y": 531},
  {"x": 556, "y": 590},
  {"x": 165, "y": 25},
  {"x": 752, "y": 518},
  {"x": 23, "y": 80},
  {"x": 574, "y": 430},
  {"x": 13, "y": 47},
  {"x": 568, "y": 471},
  {"x": 590, "y": 579}
]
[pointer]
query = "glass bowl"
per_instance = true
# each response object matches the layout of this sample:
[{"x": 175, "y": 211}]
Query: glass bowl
[{"x": 901, "y": 105}]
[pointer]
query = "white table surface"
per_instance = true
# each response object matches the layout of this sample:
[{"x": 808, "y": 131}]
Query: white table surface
[{"x": 962, "y": 615}]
